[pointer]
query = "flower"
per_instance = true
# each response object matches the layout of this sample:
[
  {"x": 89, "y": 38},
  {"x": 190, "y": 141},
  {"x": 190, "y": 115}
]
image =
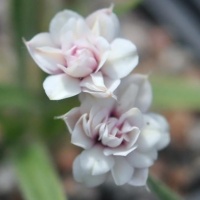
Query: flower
[
  {"x": 83, "y": 55},
  {"x": 118, "y": 137}
]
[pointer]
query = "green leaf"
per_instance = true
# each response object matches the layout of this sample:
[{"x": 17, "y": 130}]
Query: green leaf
[
  {"x": 161, "y": 190},
  {"x": 16, "y": 97},
  {"x": 175, "y": 93},
  {"x": 36, "y": 174}
]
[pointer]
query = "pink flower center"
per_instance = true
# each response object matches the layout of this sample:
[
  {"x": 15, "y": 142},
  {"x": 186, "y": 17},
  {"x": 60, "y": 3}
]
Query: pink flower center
[
  {"x": 80, "y": 61},
  {"x": 112, "y": 133}
]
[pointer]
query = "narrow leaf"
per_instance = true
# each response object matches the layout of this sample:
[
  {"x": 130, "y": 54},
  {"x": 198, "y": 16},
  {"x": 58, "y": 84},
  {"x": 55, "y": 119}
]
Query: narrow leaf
[
  {"x": 161, "y": 190},
  {"x": 36, "y": 175},
  {"x": 175, "y": 93}
]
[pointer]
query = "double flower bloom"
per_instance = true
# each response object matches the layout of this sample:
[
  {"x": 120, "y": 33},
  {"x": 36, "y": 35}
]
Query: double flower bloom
[{"x": 86, "y": 57}]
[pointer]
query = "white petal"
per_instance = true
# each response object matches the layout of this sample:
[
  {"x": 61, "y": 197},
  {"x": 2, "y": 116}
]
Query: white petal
[
  {"x": 79, "y": 137},
  {"x": 107, "y": 138},
  {"x": 122, "y": 59},
  {"x": 71, "y": 118},
  {"x": 164, "y": 127},
  {"x": 40, "y": 48},
  {"x": 112, "y": 84},
  {"x": 134, "y": 117},
  {"x": 98, "y": 115},
  {"x": 96, "y": 85},
  {"x": 61, "y": 86},
  {"x": 151, "y": 135},
  {"x": 73, "y": 31},
  {"x": 102, "y": 46},
  {"x": 111, "y": 141},
  {"x": 82, "y": 176},
  {"x": 103, "y": 59},
  {"x": 139, "y": 160},
  {"x": 87, "y": 101},
  {"x": 105, "y": 23},
  {"x": 148, "y": 139},
  {"x": 77, "y": 71},
  {"x": 41, "y": 39},
  {"x": 77, "y": 170},
  {"x": 164, "y": 141},
  {"x": 118, "y": 151},
  {"x": 139, "y": 177},
  {"x": 58, "y": 22},
  {"x": 161, "y": 121},
  {"x": 141, "y": 93},
  {"x": 95, "y": 162},
  {"x": 131, "y": 138},
  {"x": 122, "y": 171}
]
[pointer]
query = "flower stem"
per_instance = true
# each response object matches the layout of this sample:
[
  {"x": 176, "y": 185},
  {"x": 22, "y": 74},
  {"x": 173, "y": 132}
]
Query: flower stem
[{"x": 161, "y": 190}]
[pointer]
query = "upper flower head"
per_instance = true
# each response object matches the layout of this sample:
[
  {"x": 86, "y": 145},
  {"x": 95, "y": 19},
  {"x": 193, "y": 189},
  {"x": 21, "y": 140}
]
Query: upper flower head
[
  {"x": 83, "y": 55},
  {"x": 118, "y": 136}
]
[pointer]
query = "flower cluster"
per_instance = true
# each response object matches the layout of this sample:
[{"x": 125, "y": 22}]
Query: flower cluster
[{"x": 120, "y": 137}]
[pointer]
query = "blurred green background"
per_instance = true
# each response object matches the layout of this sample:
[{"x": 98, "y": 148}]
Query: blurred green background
[{"x": 27, "y": 124}]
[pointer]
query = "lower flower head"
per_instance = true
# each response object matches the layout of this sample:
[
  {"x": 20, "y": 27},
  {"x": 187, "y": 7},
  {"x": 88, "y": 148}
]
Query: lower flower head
[{"x": 117, "y": 137}]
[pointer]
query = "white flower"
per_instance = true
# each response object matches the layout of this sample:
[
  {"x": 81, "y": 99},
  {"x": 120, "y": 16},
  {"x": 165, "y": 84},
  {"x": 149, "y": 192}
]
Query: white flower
[
  {"x": 83, "y": 55},
  {"x": 119, "y": 137}
]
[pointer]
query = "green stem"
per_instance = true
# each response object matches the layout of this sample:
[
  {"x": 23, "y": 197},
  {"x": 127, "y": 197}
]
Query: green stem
[{"x": 161, "y": 190}]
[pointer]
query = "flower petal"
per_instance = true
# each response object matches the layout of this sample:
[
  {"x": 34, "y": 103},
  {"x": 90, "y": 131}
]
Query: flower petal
[
  {"x": 93, "y": 161},
  {"x": 151, "y": 135},
  {"x": 141, "y": 93},
  {"x": 41, "y": 49},
  {"x": 96, "y": 85},
  {"x": 79, "y": 136},
  {"x": 93, "y": 105},
  {"x": 107, "y": 139},
  {"x": 71, "y": 118},
  {"x": 105, "y": 23},
  {"x": 122, "y": 171},
  {"x": 148, "y": 139},
  {"x": 58, "y": 22},
  {"x": 133, "y": 116},
  {"x": 72, "y": 31},
  {"x": 118, "y": 151},
  {"x": 98, "y": 116},
  {"x": 82, "y": 176},
  {"x": 164, "y": 127},
  {"x": 139, "y": 177},
  {"x": 61, "y": 86},
  {"x": 122, "y": 59},
  {"x": 139, "y": 160}
]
